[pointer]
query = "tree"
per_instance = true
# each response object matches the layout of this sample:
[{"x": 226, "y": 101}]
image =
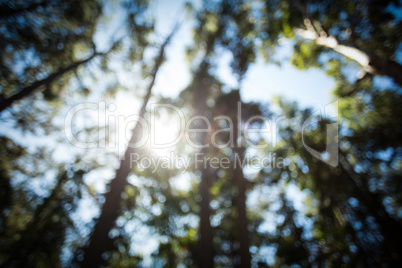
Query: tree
[
  {"x": 227, "y": 29},
  {"x": 34, "y": 234},
  {"x": 43, "y": 241},
  {"x": 99, "y": 241},
  {"x": 41, "y": 84},
  {"x": 72, "y": 25},
  {"x": 351, "y": 222},
  {"x": 27, "y": 29},
  {"x": 296, "y": 211},
  {"x": 355, "y": 30}
]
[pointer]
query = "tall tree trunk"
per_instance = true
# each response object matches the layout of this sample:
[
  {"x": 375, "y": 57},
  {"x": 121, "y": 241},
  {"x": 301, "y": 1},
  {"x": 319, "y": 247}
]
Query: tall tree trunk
[
  {"x": 206, "y": 253},
  {"x": 242, "y": 223},
  {"x": 99, "y": 241},
  {"x": 370, "y": 62}
]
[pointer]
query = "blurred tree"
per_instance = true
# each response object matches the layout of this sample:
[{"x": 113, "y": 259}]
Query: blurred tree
[
  {"x": 353, "y": 206},
  {"x": 34, "y": 227},
  {"x": 351, "y": 215},
  {"x": 46, "y": 41},
  {"x": 224, "y": 25},
  {"x": 99, "y": 242},
  {"x": 44, "y": 45},
  {"x": 40, "y": 41},
  {"x": 41, "y": 84},
  {"x": 366, "y": 32}
]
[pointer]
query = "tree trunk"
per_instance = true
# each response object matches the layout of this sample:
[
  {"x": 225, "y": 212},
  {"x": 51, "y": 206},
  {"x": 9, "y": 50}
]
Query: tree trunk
[
  {"x": 205, "y": 253},
  {"x": 242, "y": 223},
  {"x": 99, "y": 241},
  {"x": 387, "y": 67}
]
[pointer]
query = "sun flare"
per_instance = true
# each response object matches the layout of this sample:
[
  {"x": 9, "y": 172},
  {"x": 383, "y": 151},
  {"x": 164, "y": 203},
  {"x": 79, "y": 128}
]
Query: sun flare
[{"x": 164, "y": 136}]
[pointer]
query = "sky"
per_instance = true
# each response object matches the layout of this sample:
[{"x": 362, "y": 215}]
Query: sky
[
  {"x": 263, "y": 81},
  {"x": 310, "y": 88}
]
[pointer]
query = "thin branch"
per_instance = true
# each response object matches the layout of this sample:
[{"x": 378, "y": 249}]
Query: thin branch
[
  {"x": 10, "y": 12},
  {"x": 42, "y": 84}
]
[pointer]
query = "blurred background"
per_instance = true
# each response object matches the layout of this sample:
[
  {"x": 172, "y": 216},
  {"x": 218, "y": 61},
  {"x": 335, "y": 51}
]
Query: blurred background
[{"x": 74, "y": 73}]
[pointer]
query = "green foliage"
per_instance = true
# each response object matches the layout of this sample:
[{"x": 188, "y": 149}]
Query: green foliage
[
  {"x": 28, "y": 52},
  {"x": 349, "y": 198},
  {"x": 305, "y": 55},
  {"x": 349, "y": 215}
]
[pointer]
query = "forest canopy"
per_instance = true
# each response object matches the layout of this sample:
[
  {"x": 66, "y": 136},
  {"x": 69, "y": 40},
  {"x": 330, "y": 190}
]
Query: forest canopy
[{"x": 205, "y": 133}]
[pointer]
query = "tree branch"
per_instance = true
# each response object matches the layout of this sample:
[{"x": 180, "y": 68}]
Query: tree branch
[
  {"x": 370, "y": 62},
  {"x": 41, "y": 84},
  {"x": 10, "y": 12}
]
